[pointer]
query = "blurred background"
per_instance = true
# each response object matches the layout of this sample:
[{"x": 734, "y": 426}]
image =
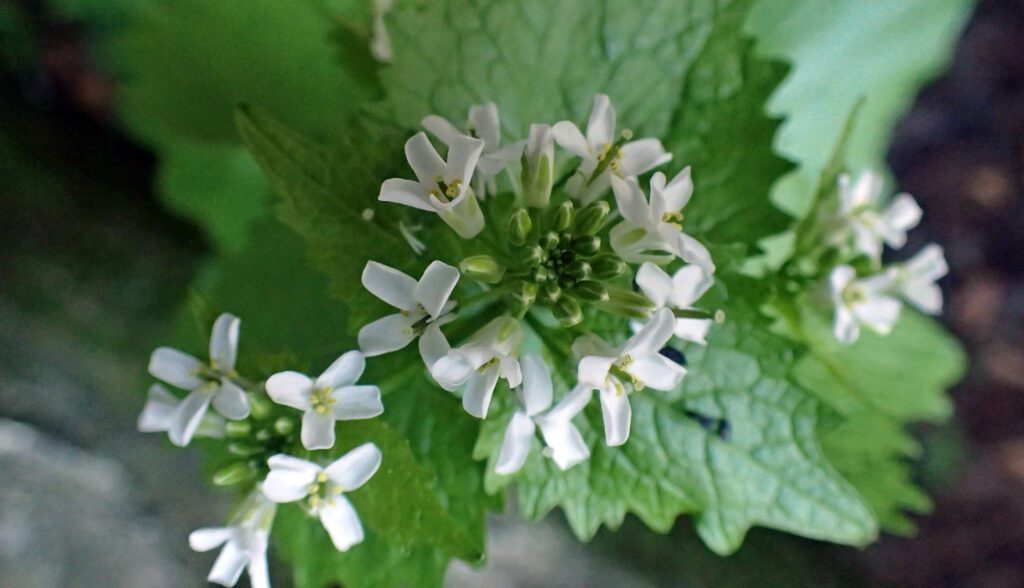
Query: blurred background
[{"x": 94, "y": 268}]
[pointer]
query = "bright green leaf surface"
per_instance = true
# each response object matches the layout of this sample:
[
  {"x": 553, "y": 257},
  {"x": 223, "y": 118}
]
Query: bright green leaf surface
[{"x": 842, "y": 52}]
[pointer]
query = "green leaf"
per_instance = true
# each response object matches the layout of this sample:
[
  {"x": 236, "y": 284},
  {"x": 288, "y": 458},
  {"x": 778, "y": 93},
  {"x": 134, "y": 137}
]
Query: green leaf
[
  {"x": 330, "y": 197},
  {"x": 835, "y": 50},
  {"x": 188, "y": 63},
  {"x": 219, "y": 186},
  {"x": 768, "y": 470},
  {"x": 676, "y": 70},
  {"x": 878, "y": 384}
]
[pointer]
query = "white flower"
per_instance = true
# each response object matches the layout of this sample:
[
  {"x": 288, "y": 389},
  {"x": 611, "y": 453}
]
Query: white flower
[
  {"x": 331, "y": 397},
  {"x": 489, "y": 354},
  {"x": 564, "y": 443},
  {"x": 483, "y": 123},
  {"x": 208, "y": 383},
  {"x": 653, "y": 231},
  {"x": 679, "y": 292},
  {"x": 861, "y": 208},
  {"x": 292, "y": 479},
  {"x": 380, "y": 40},
  {"x": 443, "y": 188},
  {"x": 245, "y": 543},
  {"x": 538, "y": 166},
  {"x": 603, "y": 154},
  {"x": 157, "y": 415},
  {"x": 862, "y": 302},
  {"x": 915, "y": 279},
  {"x": 424, "y": 306},
  {"x": 634, "y": 365}
]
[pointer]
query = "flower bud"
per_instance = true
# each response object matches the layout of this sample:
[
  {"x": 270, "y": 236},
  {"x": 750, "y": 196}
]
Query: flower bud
[
  {"x": 590, "y": 291},
  {"x": 523, "y": 296},
  {"x": 549, "y": 240},
  {"x": 232, "y": 473},
  {"x": 237, "y": 428},
  {"x": 627, "y": 303},
  {"x": 482, "y": 268},
  {"x": 586, "y": 245},
  {"x": 284, "y": 426},
  {"x": 519, "y": 226},
  {"x": 552, "y": 292},
  {"x": 243, "y": 449},
  {"x": 568, "y": 311},
  {"x": 592, "y": 219},
  {"x": 579, "y": 270},
  {"x": 260, "y": 406},
  {"x": 539, "y": 274},
  {"x": 532, "y": 255},
  {"x": 538, "y": 166},
  {"x": 607, "y": 266},
  {"x": 563, "y": 216}
]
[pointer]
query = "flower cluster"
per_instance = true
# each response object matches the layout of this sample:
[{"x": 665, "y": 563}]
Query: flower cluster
[
  {"x": 565, "y": 254},
  {"x": 861, "y": 229},
  {"x": 572, "y": 251}
]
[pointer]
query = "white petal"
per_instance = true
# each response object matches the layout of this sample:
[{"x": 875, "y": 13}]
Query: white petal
[
  {"x": 345, "y": 371},
  {"x": 631, "y": 201},
  {"x": 209, "y": 538},
  {"x": 653, "y": 336},
  {"x": 231, "y": 401},
  {"x": 927, "y": 297},
  {"x": 406, "y": 192},
  {"x": 902, "y": 215},
  {"x": 188, "y": 416},
  {"x": 693, "y": 251},
  {"x": 688, "y": 285},
  {"x": 929, "y": 265},
  {"x": 158, "y": 413},
  {"x": 846, "y": 328},
  {"x": 866, "y": 240},
  {"x": 176, "y": 368},
  {"x": 479, "y": 388},
  {"x": 357, "y": 402},
  {"x": 509, "y": 369},
  {"x": 290, "y": 389},
  {"x": 695, "y": 330},
  {"x": 617, "y": 416},
  {"x": 229, "y": 565},
  {"x": 638, "y": 157},
  {"x": 436, "y": 285},
  {"x": 593, "y": 370},
  {"x": 390, "y": 285},
  {"x": 571, "y": 405},
  {"x": 386, "y": 334},
  {"x": 601, "y": 126},
  {"x": 424, "y": 160},
  {"x": 441, "y": 128},
  {"x": 259, "y": 575},
  {"x": 537, "y": 388},
  {"x": 317, "y": 430},
  {"x": 451, "y": 371},
  {"x": 880, "y": 313},
  {"x": 655, "y": 284},
  {"x": 839, "y": 279},
  {"x": 678, "y": 192},
  {"x": 565, "y": 442},
  {"x": 591, "y": 344},
  {"x": 861, "y": 193},
  {"x": 356, "y": 467},
  {"x": 657, "y": 371},
  {"x": 463, "y": 154},
  {"x": 433, "y": 345},
  {"x": 484, "y": 122},
  {"x": 516, "y": 445},
  {"x": 569, "y": 137},
  {"x": 289, "y": 478},
  {"x": 342, "y": 523},
  {"x": 224, "y": 342}
]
